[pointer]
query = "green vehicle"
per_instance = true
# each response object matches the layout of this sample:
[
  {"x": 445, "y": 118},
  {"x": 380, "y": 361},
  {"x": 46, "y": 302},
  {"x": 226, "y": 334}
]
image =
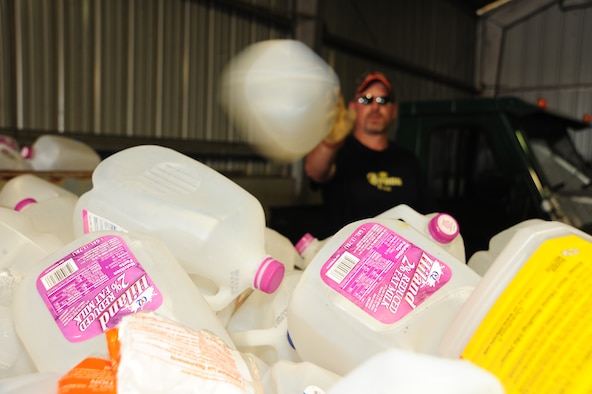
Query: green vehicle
[{"x": 494, "y": 162}]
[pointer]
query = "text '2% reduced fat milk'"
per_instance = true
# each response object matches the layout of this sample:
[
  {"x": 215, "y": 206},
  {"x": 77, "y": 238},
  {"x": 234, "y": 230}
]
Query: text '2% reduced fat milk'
[{"x": 378, "y": 283}]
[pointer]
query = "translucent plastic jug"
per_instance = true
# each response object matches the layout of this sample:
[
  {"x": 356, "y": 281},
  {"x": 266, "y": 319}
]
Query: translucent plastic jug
[
  {"x": 259, "y": 325},
  {"x": 378, "y": 283},
  {"x": 10, "y": 157},
  {"x": 35, "y": 382},
  {"x": 21, "y": 246},
  {"x": 14, "y": 359},
  {"x": 289, "y": 377},
  {"x": 398, "y": 371},
  {"x": 71, "y": 297},
  {"x": 49, "y": 206},
  {"x": 213, "y": 226},
  {"x": 439, "y": 226},
  {"x": 308, "y": 246},
  {"x": 281, "y": 248},
  {"x": 481, "y": 260},
  {"x": 60, "y": 153},
  {"x": 26, "y": 186},
  {"x": 282, "y": 97},
  {"x": 528, "y": 320}
]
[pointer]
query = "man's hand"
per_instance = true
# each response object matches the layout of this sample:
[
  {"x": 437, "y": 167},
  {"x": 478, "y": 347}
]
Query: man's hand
[{"x": 344, "y": 124}]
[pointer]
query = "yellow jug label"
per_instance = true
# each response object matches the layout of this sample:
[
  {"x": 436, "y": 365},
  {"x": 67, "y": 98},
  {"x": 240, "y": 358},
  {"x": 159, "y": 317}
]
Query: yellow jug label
[{"x": 537, "y": 337}]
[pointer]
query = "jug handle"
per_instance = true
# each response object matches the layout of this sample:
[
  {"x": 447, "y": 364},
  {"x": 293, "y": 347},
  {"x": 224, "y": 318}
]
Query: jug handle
[
  {"x": 258, "y": 337},
  {"x": 219, "y": 300},
  {"x": 408, "y": 215}
]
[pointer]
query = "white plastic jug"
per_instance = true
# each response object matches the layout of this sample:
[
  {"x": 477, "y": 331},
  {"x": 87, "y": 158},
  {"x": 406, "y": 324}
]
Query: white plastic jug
[
  {"x": 282, "y": 97},
  {"x": 14, "y": 359},
  {"x": 21, "y": 246},
  {"x": 378, "y": 283},
  {"x": 282, "y": 249},
  {"x": 528, "y": 320},
  {"x": 49, "y": 206},
  {"x": 481, "y": 260},
  {"x": 213, "y": 226},
  {"x": 259, "y": 325},
  {"x": 71, "y": 297},
  {"x": 60, "y": 153},
  {"x": 439, "y": 226},
  {"x": 289, "y": 377},
  {"x": 25, "y": 186},
  {"x": 308, "y": 245},
  {"x": 399, "y": 371},
  {"x": 10, "y": 157},
  {"x": 35, "y": 382}
]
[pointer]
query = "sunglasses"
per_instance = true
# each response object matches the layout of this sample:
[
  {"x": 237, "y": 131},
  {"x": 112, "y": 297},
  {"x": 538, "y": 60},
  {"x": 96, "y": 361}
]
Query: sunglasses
[{"x": 367, "y": 100}]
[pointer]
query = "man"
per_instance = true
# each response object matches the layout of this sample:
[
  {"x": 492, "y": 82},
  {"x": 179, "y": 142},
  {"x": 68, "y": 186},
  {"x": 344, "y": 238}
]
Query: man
[{"x": 360, "y": 171}]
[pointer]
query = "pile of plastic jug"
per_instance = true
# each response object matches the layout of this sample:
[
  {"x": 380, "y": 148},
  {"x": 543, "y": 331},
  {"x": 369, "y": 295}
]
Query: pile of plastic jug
[{"x": 165, "y": 278}]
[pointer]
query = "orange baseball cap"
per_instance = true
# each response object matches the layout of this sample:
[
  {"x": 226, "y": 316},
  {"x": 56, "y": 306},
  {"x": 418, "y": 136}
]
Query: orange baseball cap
[{"x": 372, "y": 77}]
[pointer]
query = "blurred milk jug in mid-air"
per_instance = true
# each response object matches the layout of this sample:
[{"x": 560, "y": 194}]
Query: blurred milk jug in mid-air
[{"x": 282, "y": 97}]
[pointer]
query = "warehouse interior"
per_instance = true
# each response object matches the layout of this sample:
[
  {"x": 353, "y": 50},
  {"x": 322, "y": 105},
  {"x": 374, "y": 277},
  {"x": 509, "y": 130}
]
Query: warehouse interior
[
  {"x": 120, "y": 73},
  {"x": 174, "y": 240}
]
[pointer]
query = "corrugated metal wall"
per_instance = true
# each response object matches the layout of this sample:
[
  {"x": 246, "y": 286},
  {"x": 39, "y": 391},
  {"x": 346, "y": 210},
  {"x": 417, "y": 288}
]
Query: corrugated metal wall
[
  {"x": 143, "y": 68},
  {"x": 547, "y": 53}
]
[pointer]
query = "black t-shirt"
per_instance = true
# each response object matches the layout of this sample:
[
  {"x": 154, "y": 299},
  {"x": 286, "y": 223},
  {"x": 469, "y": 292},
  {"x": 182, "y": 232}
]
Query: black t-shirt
[{"x": 369, "y": 182}]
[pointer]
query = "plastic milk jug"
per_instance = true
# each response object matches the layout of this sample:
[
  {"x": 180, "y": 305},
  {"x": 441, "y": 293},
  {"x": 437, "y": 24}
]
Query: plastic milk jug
[
  {"x": 35, "y": 382},
  {"x": 49, "y": 206},
  {"x": 21, "y": 246},
  {"x": 14, "y": 360},
  {"x": 308, "y": 246},
  {"x": 401, "y": 371},
  {"x": 439, "y": 226},
  {"x": 71, "y": 297},
  {"x": 282, "y": 96},
  {"x": 281, "y": 248},
  {"x": 59, "y": 153},
  {"x": 10, "y": 157},
  {"x": 378, "y": 283},
  {"x": 481, "y": 260},
  {"x": 25, "y": 186},
  {"x": 259, "y": 325},
  {"x": 528, "y": 320},
  {"x": 213, "y": 226},
  {"x": 289, "y": 377}
]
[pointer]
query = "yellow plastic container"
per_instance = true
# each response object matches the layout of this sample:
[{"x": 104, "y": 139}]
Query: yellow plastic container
[{"x": 528, "y": 321}]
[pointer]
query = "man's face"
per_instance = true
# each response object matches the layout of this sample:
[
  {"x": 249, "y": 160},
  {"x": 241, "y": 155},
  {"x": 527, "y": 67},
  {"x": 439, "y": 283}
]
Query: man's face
[{"x": 374, "y": 118}]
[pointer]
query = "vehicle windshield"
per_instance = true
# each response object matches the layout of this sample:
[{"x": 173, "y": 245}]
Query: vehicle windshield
[
  {"x": 561, "y": 164},
  {"x": 566, "y": 175}
]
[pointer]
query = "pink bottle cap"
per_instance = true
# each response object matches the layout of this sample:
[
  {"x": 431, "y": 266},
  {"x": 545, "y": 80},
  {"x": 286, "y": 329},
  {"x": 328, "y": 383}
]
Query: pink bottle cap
[
  {"x": 304, "y": 242},
  {"x": 269, "y": 276},
  {"x": 443, "y": 228},
  {"x": 26, "y": 152},
  {"x": 23, "y": 203}
]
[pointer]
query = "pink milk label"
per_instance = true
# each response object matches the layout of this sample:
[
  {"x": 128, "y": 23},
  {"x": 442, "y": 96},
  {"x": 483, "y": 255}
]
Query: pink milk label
[
  {"x": 383, "y": 273},
  {"x": 91, "y": 289}
]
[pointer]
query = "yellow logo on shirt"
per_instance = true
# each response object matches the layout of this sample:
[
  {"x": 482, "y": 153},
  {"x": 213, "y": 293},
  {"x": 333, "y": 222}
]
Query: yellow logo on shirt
[{"x": 382, "y": 181}]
